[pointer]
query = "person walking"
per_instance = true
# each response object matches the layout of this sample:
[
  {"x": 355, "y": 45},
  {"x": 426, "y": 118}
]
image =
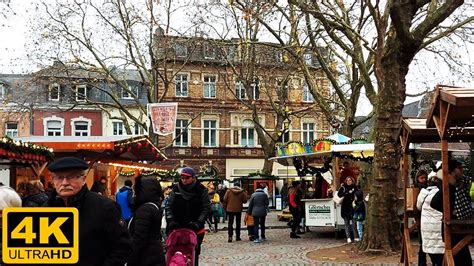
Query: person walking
[
  {"x": 188, "y": 207},
  {"x": 124, "y": 198},
  {"x": 221, "y": 190},
  {"x": 215, "y": 206},
  {"x": 347, "y": 191},
  {"x": 145, "y": 225},
  {"x": 103, "y": 236},
  {"x": 234, "y": 199},
  {"x": 295, "y": 207},
  {"x": 258, "y": 207}
]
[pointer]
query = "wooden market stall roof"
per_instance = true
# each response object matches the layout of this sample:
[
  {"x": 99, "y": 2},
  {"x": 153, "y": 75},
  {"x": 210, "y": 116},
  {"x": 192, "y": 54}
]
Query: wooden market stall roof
[
  {"x": 138, "y": 148},
  {"x": 451, "y": 119}
]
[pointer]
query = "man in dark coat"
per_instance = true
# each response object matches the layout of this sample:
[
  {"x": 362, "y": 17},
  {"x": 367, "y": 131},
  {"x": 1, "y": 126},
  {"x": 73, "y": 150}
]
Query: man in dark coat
[
  {"x": 189, "y": 206},
  {"x": 103, "y": 237}
]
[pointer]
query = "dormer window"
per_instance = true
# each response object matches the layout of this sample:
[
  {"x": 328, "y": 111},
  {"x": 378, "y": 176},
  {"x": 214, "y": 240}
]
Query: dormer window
[
  {"x": 81, "y": 93},
  {"x": 209, "y": 51},
  {"x": 53, "y": 92},
  {"x": 131, "y": 93},
  {"x": 180, "y": 50},
  {"x": 3, "y": 91}
]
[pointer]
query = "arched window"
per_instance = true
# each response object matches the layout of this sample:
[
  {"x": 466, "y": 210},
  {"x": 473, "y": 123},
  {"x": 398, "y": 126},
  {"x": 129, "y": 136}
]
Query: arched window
[{"x": 247, "y": 137}]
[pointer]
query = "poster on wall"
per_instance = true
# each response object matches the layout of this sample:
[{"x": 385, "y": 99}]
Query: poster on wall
[{"x": 163, "y": 117}]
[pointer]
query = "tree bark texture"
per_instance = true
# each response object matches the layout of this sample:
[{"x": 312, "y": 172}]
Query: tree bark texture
[{"x": 383, "y": 223}]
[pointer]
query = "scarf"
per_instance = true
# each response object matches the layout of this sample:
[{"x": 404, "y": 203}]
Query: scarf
[{"x": 186, "y": 191}]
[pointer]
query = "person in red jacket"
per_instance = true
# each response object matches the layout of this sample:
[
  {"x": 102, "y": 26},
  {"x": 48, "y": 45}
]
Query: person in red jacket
[{"x": 295, "y": 207}]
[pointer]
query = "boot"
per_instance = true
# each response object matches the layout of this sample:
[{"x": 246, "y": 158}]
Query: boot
[
  {"x": 230, "y": 239},
  {"x": 294, "y": 235}
]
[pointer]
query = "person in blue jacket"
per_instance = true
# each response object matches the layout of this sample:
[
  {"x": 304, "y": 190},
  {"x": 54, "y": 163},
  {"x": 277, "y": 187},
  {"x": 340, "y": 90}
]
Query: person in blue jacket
[{"x": 124, "y": 199}]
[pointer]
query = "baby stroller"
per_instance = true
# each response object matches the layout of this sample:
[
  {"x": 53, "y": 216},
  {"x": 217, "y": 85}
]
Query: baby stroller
[{"x": 180, "y": 247}]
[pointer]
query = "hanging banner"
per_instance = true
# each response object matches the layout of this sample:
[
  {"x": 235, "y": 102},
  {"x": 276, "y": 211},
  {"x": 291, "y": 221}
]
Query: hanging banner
[{"x": 163, "y": 117}]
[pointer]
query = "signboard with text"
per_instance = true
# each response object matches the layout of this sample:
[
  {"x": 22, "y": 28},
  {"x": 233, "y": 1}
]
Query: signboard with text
[
  {"x": 40, "y": 235},
  {"x": 320, "y": 212},
  {"x": 163, "y": 117}
]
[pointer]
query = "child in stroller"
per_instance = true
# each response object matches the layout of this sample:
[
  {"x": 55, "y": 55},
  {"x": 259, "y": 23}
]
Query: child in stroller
[{"x": 180, "y": 247}]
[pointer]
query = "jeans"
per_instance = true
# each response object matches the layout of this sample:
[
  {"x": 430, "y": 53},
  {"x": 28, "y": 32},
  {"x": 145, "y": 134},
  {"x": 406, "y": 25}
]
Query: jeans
[
  {"x": 350, "y": 225},
  {"x": 230, "y": 225},
  {"x": 360, "y": 229},
  {"x": 259, "y": 222},
  {"x": 296, "y": 219}
]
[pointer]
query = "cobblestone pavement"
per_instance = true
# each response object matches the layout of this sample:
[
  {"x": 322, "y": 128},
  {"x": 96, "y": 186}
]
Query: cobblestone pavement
[{"x": 279, "y": 249}]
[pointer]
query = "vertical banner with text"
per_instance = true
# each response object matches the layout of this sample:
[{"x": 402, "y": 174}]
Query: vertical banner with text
[{"x": 163, "y": 117}]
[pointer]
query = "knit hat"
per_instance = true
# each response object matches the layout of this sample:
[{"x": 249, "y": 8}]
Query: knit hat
[{"x": 188, "y": 171}]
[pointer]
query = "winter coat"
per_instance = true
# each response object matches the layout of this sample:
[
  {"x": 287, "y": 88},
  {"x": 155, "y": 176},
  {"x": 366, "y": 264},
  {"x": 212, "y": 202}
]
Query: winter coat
[
  {"x": 295, "y": 199},
  {"x": 258, "y": 204},
  {"x": 188, "y": 204},
  {"x": 103, "y": 236},
  {"x": 124, "y": 199},
  {"x": 36, "y": 200},
  {"x": 145, "y": 226},
  {"x": 346, "y": 191},
  {"x": 431, "y": 222},
  {"x": 234, "y": 198}
]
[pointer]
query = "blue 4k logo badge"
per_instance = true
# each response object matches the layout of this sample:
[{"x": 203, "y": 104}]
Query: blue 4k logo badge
[{"x": 40, "y": 235}]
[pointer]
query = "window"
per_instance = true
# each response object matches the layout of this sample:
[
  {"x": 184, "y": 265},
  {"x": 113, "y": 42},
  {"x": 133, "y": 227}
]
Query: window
[
  {"x": 131, "y": 94},
  {"x": 285, "y": 134},
  {"x": 54, "y": 128},
  {"x": 117, "y": 128},
  {"x": 210, "y": 133},
  {"x": 181, "y": 133},
  {"x": 3, "y": 91},
  {"x": 308, "y": 58},
  {"x": 180, "y": 50},
  {"x": 255, "y": 89},
  {"x": 81, "y": 93},
  {"x": 81, "y": 128},
  {"x": 231, "y": 53},
  {"x": 53, "y": 92},
  {"x": 308, "y": 132},
  {"x": 181, "y": 83},
  {"x": 247, "y": 137},
  {"x": 209, "y": 86},
  {"x": 307, "y": 96},
  {"x": 11, "y": 129},
  {"x": 138, "y": 129},
  {"x": 209, "y": 51},
  {"x": 240, "y": 91}
]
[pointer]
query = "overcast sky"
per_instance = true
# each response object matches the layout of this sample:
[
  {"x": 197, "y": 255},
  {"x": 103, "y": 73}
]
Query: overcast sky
[{"x": 13, "y": 55}]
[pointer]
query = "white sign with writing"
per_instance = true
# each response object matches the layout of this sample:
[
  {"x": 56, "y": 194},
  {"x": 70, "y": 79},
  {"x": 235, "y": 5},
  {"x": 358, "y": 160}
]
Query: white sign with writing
[{"x": 320, "y": 212}]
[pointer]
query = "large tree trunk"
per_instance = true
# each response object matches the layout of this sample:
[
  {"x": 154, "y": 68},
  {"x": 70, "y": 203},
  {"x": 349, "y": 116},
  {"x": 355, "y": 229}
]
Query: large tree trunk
[{"x": 383, "y": 224}]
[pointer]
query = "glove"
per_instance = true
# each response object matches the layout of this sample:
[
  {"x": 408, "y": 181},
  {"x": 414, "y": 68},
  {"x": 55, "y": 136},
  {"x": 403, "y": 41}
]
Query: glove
[
  {"x": 173, "y": 225},
  {"x": 195, "y": 226}
]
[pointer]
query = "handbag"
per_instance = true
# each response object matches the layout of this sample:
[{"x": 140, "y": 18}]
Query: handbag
[{"x": 338, "y": 200}]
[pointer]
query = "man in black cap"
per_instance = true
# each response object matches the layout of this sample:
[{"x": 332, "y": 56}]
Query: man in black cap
[
  {"x": 103, "y": 237},
  {"x": 189, "y": 206}
]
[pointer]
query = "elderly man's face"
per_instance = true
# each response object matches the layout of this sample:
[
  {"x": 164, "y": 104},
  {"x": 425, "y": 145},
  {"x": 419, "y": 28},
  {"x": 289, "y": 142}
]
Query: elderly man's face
[{"x": 69, "y": 182}]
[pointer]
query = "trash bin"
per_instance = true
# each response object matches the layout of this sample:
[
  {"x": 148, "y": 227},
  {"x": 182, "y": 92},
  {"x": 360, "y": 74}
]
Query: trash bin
[{"x": 278, "y": 203}]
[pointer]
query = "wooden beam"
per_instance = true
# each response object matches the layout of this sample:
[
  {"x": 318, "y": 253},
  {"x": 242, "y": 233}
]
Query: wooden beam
[
  {"x": 408, "y": 248},
  {"x": 465, "y": 241},
  {"x": 448, "y": 256}
]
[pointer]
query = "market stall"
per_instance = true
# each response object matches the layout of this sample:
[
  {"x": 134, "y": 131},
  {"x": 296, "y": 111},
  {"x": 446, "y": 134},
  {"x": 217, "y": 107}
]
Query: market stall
[
  {"x": 22, "y": 161},
  {"x": 115, "y": 157},
  {"x": 451, "y": 119},
  {"x": 321, "y": 160}
]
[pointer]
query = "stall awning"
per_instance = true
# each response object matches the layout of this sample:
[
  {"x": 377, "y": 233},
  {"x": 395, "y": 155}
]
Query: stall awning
[{"x": 137, "y": 148}]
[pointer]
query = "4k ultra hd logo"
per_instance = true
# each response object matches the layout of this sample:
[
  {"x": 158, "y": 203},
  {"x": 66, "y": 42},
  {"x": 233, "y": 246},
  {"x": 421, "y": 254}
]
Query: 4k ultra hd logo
[{"x": 40, "y": 235}]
